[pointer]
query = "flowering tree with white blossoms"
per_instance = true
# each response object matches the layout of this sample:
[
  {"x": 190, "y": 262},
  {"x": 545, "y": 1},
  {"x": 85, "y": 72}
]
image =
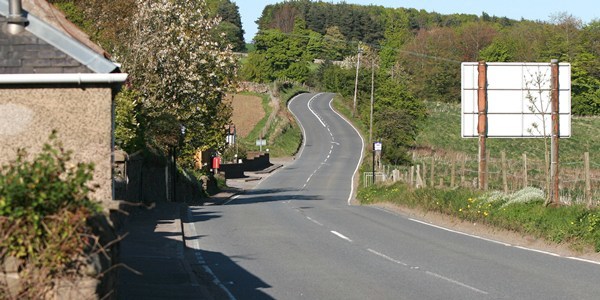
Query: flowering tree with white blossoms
[{"x": 182, "y": 74}]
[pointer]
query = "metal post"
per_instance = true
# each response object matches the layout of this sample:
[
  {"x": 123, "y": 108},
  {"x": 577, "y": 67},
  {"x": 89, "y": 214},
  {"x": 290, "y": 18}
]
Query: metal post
[
  {"x": 373, "y": 163},
  {"x": 555, "y": 133},
  {"x": 482, "y": 121},
  {"x": 356, "y": 81}
]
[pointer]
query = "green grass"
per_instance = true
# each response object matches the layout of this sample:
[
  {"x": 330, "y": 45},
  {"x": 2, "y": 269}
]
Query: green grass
[
  {"x": 287, "y": 143},
  {"x": 442, "y": 131},
  {"x": 250, "y": 139},
  {"x": 575, "y": 225},
  {"x": 286, "y": 136}
]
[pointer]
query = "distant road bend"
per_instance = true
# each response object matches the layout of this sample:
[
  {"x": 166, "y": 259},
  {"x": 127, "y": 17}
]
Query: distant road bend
[{"x": 296, "y": 237}]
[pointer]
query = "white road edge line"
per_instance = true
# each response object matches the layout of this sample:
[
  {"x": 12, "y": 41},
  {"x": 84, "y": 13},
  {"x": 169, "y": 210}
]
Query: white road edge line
[
  {"x": 495, "y": 241},
  {"x": 584, "y": 260},
  {"x": 341, "y": 236},
  {"x": 458, "y": 232},
  {"x": 313, "y": 112},
  {"x": 314, "y": 221},
  {"x": 387, "y": 257},
  {"x": 362, "y": 150},
  {"x": 231, "y": 199},
  {"x": 194, "y": 244},
  {"x": 301, "y": 127},
  {"x": 538, "y": 251},
  {"x": 456, "y": 282}
]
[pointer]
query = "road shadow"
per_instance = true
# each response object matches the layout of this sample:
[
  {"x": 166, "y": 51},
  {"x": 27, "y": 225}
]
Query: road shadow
[
  {"x": 152, "y": 260},
  {"x": 271, "y": 195},
  {"x": 230, "y": 277},
  {"x": 237, "y": 280}
]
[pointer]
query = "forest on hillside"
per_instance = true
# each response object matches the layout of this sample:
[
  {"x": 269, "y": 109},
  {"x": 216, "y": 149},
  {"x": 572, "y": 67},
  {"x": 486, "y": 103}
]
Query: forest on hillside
[
  {"x": 406, "y": 57},
  {"x": 425, "y": 49}
]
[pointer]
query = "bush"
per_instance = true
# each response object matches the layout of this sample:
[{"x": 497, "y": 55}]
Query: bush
[{"x": 44, "y": 206}]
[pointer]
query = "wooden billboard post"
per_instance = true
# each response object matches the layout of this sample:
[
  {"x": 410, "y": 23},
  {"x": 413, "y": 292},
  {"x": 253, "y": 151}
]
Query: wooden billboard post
[
  {"x": 482, "y": 121},
  {"x": 554, "y": 195}
]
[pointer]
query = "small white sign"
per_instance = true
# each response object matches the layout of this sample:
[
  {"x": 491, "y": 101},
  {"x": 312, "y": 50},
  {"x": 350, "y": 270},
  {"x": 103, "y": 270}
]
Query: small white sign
[
  {"x": 519, "y": 103},
  {"x": 261, "y": 142},
  {"x": 377, "y": 146}
]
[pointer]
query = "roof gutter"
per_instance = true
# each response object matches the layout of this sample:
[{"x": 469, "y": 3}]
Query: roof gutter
[{"x": 80, "y": 78}]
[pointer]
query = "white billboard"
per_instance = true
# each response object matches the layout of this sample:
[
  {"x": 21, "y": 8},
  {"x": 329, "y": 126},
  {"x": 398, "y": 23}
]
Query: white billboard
[{"x": 519, "y": 103}]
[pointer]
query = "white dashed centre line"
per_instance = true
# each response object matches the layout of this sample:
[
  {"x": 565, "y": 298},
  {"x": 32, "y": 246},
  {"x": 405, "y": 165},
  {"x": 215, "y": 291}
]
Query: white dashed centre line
[
  {"x": 387, "y": 257},
  {"x": 341, "y": 236}
]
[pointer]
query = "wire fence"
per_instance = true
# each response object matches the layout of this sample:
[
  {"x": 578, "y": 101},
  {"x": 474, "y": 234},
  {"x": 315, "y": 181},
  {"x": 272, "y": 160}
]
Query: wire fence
[{"x": 579, "y": 180}]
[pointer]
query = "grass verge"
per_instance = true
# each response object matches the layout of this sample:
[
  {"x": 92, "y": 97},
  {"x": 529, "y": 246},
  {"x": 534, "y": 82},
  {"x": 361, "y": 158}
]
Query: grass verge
[
  {"x": 522, "y": 212},
  {"x": 575, "y": 225}
]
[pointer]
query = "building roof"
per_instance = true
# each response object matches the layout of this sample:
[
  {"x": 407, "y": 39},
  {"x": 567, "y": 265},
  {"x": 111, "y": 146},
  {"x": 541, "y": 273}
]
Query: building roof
[{"x": 49, "y": 24}]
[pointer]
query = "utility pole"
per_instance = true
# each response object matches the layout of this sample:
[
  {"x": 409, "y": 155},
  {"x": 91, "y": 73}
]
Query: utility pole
[
  {"x": 356, "y": 81},
  {"x": 372, "y": 93}
]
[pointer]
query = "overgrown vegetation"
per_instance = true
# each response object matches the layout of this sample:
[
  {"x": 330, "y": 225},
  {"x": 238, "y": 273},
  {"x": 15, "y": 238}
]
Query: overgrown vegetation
[
  {"x": 522, "y": 211},
  {"x": 44, "y": 208},
  {"x": 415, "y": 56},
  {"x": 278, "y": 127},
  {"x": 441, "y": 131}
]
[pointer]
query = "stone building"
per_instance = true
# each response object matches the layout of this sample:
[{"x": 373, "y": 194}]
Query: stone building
[{"x": 52, "y": 77}]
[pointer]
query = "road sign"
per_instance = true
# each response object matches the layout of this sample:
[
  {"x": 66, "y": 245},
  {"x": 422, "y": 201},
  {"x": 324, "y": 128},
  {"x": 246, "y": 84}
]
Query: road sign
[
  {"x": 261, "y": 142},
  {"x": 518, "y": 100},
  {"x": 377, "y": 146}
]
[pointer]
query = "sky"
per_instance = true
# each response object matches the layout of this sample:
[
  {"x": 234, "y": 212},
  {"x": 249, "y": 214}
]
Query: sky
[{"x": 586, "y": 10}]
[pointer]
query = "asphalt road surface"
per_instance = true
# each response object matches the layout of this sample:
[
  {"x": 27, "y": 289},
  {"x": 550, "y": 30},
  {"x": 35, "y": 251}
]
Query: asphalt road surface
[{"x": 295, "y": 236}]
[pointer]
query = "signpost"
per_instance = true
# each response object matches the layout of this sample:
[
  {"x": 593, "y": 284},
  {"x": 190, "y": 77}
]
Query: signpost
[
  {"x": 516, "y": 100},
  {"x": 377, "y": 146},
  {"x": 261, "y": 143}
]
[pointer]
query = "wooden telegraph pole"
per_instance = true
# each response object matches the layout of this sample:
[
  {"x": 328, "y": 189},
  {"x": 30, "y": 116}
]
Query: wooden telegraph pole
[
  {"x": 356, "y": 81},
  {"x": 554, "y": 196},
  {"x": 482, "y": 122}
]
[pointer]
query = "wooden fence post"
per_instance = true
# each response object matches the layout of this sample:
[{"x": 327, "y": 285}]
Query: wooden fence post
[
  {"x": 525, "y": 183},
  {"x": 452, "y": 173},
  {"x": 462, "y": 171},
  {"x": 504, "y": 180},
  {"x": 588, "y": 185},
  {"x": 412, "y": 175},
  {"x": 424, "y": 174},
  {"x": 419, "y": 181},
  {"x": 487, "y": 171},
  {"x": 432, "y": 171}
]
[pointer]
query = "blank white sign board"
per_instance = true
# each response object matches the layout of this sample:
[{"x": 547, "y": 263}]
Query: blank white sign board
[{"x": 518, "y": 100}]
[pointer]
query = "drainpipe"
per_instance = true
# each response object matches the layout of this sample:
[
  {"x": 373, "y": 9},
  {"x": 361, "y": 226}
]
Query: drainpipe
[{"x": 16, "y": 20}]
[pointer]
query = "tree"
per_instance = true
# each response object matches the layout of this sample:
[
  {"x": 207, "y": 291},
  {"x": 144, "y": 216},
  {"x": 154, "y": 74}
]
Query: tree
[
  {"x": 397, "y": 114},
  {"x": 230, "y": 35},
  {"x": 231, "y": 24},
  {"x": 334, "y": 44},
  {"x": 396, "y": 34},
  {"x": 473, "y": 37},
  {"x": 106, "y": 22},
  {"x": 432, "y": 60},
  {"x": 181, "y": 74}
]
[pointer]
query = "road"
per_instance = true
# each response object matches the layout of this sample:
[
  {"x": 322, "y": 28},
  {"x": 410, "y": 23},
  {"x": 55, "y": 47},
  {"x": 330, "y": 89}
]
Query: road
[{"x": 295, "y": 236}]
